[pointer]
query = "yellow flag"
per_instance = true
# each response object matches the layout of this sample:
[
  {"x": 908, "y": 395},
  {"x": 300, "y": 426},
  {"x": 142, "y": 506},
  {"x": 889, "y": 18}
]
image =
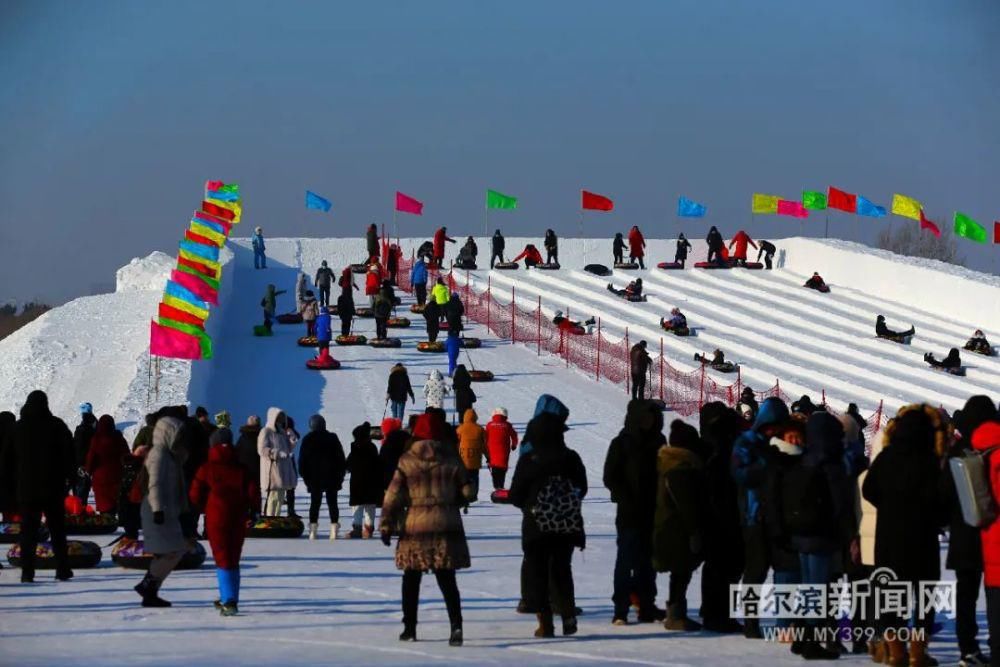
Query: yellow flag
[
  {"x": 185, "y": 306},
  {"x": 208, "y": 233},
  {"x": 233, "y": 206},
  {"x": 908, "y": 207},
  {"x": 764, "y": 203}
]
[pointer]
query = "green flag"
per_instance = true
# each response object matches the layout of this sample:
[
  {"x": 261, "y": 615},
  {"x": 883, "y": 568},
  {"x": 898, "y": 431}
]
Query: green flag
[
  {"x": 968, "y": 228},
  {"x": 814, "y": 201},
  {"x": 495, "y": 199},
  {"x": 203, "y": 338}
]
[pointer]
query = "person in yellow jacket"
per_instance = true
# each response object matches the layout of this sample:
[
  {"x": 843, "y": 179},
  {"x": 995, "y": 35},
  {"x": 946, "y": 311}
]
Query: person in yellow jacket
[
  {"x": 441, "y": 293},
  {"x": 471, "y": 447}
]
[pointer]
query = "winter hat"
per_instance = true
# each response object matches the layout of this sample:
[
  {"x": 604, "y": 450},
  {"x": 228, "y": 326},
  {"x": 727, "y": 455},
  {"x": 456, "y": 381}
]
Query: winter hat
[
  {"x": 915, "y": 423},
  {"x": 684, "y": 435},
  {"x": 502, "y": 412},
  {"x": 317, "y": 423},
  {"x": 987, "y": 435},
  {"x": 258, "y": 230},
  {"x": 390, "y": 425},
  {"x": 977, "y": 410},
  {"x": 323, "y": 263},
  {"x": 200, "y": 412},
  {"x": 643, "y": 416},
  {"x": 222, "y": 420},
  {"x": 428, "y": 427},
  {"x": 86, "y": 409},
  {"x": 221, "y": 436},
  {"x": 362, "y": 432}
]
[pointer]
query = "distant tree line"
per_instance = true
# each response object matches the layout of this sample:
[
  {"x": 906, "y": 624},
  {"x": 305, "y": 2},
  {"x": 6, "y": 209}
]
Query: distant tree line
[
  {"x": 910, "y": 240},
  {"x": 12, "y": 318}
]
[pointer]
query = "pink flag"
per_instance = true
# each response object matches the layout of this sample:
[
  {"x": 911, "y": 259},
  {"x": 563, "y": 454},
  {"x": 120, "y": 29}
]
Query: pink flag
[
  {"x": 199, "y": 287},
  {"x": 213, "y": 185},
  {"x": 407, "y": 204},
  {"x": 792, "y": 208},
  {"x": 928, "y": 225},
  {"x": 167, "y": 342}
]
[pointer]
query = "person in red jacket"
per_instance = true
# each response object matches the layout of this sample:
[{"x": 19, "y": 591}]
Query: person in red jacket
[
  {"x": 501, "y": 440},
  {"x": 985, "y": 437},
  {"x": 105, "y": 464},
  {"x": 346, "y": 281},
  {"x": 741, "y": 240},
  {"x": 636, "y": 246},
  {"x": 440, "y": 236},
  {"x": 225, "y": 490},
  {"x": 373, "y": 284},
  {"x": 530, "y": 255}
]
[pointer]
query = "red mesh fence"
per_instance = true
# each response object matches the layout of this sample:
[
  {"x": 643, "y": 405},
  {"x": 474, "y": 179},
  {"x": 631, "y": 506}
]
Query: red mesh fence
[{"x": 522, "y": 321}]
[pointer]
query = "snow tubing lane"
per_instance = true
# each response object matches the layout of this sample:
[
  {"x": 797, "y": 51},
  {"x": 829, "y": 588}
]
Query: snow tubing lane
[
  {"x": 597, "y": 269},
  {"x": 82, "y": 555},
  {"x": 481, "y": 376},
  {"x": 398, "y": 322},
  {"x": 626, "y": 266},
  {"x": 10, "y": 533},
  {"x": 709, "y": 265},
  {"x": 359, "y": 268},
  {"x": 470, "y": 343},
  {"x": 385, "y": 342},
  {"x": 415, "y": 308},
  {"x": 289, "y": 318},
  {"x": 91, "y": 524},
  {"x": 500, "y": 497},
  {"x": 356, "y": 339},
  {"x": 330, "y": 364},
  {"x": 308, "y": 341},
  {"x": 506, "y": 266},
  {"x": 427, "y": 346},
  {"x": 276, "y": 526},
  {"x": 669, "y": 265},
  {"x": 131, "y": 555},
  {"x": 262, "y": 331},
  {"x": 554, "y": 266},
  {"x": 364, "y": 312}
]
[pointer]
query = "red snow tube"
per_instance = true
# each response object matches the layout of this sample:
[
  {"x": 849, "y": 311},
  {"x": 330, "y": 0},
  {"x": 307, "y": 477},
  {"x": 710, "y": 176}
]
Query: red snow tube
[
  {"x": 415, "y": 308},
  {"x": 385, "y": 342},
  {"x": 470, "y": 343},
  {"x": 275, "y": 526},
  {"x": 308, "y": 341},
  {"x": 398, "y": 322},
  {"x": 289, "y": 318},
  {"x": 355, "y": 339},
  {"x": 669, "y": 265},
  {"x": 626, "y": 266},
  {"x": 427, "y": 346},
  {"x": 710, "y": 265},
  {"x": 553, "y": 266},
  {"x": 10, "y": 532},
  {"x": 363, "y": 312},
  {"x": 81, "y": 555},
  {"x": 481, "y": 376},
  {"x": 319, "y": 364},
  {"x": 500, "y": 496},
  {"x": 506, "y": 266},
  {"x": 131, "y": 555},
  {"x": 91, "y": 524}
]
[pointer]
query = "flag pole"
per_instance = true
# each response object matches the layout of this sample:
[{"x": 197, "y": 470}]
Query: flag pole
[
  {"x": 826, "y": 225},
  {"x": 581, "y": 223},
  {"x": 486, "y": 222},
  {"x": 395, "y": 224}
]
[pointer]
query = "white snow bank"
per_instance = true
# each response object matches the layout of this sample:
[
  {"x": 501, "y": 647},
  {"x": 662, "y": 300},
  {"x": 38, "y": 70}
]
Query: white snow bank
[{"x": 144, "y": 273}]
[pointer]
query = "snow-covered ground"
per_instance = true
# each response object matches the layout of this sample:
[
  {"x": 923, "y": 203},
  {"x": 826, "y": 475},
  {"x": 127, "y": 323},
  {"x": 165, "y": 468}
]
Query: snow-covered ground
[{"x": 321, "y": 603}]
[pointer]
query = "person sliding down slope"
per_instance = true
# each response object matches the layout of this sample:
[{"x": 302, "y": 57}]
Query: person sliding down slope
[
  {"x": 530, "y": 255},
  {"x": 952, "y": 363},
  {"x": 566, "y": 324},
  {"x": 816, "y": 283},
  {"x": 633, "y": 289},
  {"x": 677, "y": 321},
  {"x": 978, "y": 343},
  {"x": 882, "y": 331}
]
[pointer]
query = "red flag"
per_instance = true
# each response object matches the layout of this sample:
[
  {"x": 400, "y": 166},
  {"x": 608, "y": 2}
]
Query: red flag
[
  {"x": 227, "y": 226},
  {"x": 841, "y": 200},
  {"x": 217, "y": 211},
  {"x": 200, "y": 268},
  {"x": 178, "y": 315},
  {"x": 928, "y": 225},
  {"x": 407, "y": 204},
  {"x": 167, "y": 342},
  {"x": 198, "y": 238},
  {"x": 592, "y": 202},
  {"x": 792, "y": 208},
  {"x": 996, "y": 231}
]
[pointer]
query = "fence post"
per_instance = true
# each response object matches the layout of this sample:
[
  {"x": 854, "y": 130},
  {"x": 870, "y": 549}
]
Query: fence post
[
  {"x": 661, "y": 368},
  {"x": 628, "y": 364},
  {"x": 739, "y": 384},
  {"x": 598, "y": 349},
  {"x": 489, "y": 300},
  {"x": 878, "y": 417},
  {"x": 538, "y": 317},
  {"x": 777, "y": 387},
  {"x": 823, "y": 403},
  {"x": 701, "y": 389},
  {"x": 513, "y": 315},
  {"x": 567, "y": 339}
]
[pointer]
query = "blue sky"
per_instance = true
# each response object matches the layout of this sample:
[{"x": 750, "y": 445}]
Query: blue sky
[{"x": 114, "y": 114}]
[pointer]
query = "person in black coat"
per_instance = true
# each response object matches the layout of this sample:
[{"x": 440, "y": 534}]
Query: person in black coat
[
  {"x": 683, "y": 247},
  {"x": 322, "y": 467},
  {"x": 81, "y": 445},
  {"x": 883, "y": 331},
  {"x": 551, "y": 243},
  {"x": 547, "y": 552},
  {"x": 965, "y": 550},
  {"x": 40, "y": 454},
  {"x": 432, "y": 315},
  {"x": 393, "y": 446},
  {"x": 345, "y": 311},
  {"x": 366, "y": 480},
  {"x": 630, "y": 476},
  {"x": 398, "y": 389},
  {"x": 618, "y": 249},
  {"x": 392, "y": 264},
  {"x": 497, "y": 246},
  {"x": 461, "y": 382},
  {"x": 371, "y": 242},
  {"x": 246, "y": 450},
  {"x": 715, "y": 244},
  {"x": 453, "y": 312},
  {"x": 767, "y": 249},
  {"x": 8, "y": 482}
]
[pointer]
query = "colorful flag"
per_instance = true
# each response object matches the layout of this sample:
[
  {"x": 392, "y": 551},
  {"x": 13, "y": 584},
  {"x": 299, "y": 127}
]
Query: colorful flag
[
  {"x": 197, "y": 264},
  {"x": 181, "y": 292},
  {"x": 688, "y": 208},
  {"x": 218, "y": 211},
  {"x": 496, "y": 199},
  {"x": 195, "y": 286},
  {"x": 908, "y": 207},
  {"x": 218, "y": 187},
  {"x": 968, "y": 228},
  {"x": 842, "y": 201},
  {"x": 198, "y": 238},
  {"x": 168, "y": 342},
  {"x": 764, "y": 203},
  {"x": 210, "y": 233},
  {"x": 928, "y": 225},
  {"x": 222, "y": 195},
  {"x": 594, "y": 202},
  {"x": 221, "y": 230},
  {"x": 210, "y": 253},
  {"x": 235, "y": 207},
  {"x": 996, "y": 231},
  {"x": 793, "y": 208},
  {"x": 191, "y": 309},
  {"x": 866, "y": 207},
  {"x": 313, "y": 200},
  {"x": 814, "y": 201},
  {"x": 204, "y": 341},
  {"x": 225, "y": 226},
  {"x": 211, "y": 282},
  {"x": 171, "y": 313},
  {"x": 407, "y": 204}
]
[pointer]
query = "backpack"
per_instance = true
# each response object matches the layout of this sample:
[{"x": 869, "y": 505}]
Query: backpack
[
  {"x": 971, "y": 472},
  {"x": 557, "y": 508},
  {"x": 806, "y": 504}
]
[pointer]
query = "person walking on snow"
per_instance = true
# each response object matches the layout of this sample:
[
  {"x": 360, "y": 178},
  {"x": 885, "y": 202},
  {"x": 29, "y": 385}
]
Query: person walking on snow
[
  {"x": 371, "y": 243},
  {"x": 366, "y": 481},
  {"x": 309, "y": 310},
  {"x": 270, "y": 303},
  {"x": 398, "y": 389},
  {"x": 346, "y": 312},
  {"x": 741, "y": 240},
  {"x": 81, "y": 445},
  {"x": 440, "y": 238},
  {"x": 432, "y": 316},
  {"x": 322, "y": 466},
  {"x": 225, "y": 491},
  {"x": 418, "y": 278},
  {"x": 441, "y": 294},
  {"x": 277, "y": 469},
  {"x": 323, "y": 282},
  {"x": 453, "y": 346},
  {"x": 435, "y": 390},
  {"x": 346, "y": 282},
  {"x": 636, "y": 246},
  {"x": 683, "y": 248},
  {"x": 551, "y": 243},
  {"x": 471, "y": 448},
  {"x": 462, "y": 384},
  {"x": 497, "y": 246},
  {"x": 257, "y": 242},
  {"x": 105, "y": 461},
  {"x": 639, "y": 363},
  {"x": 715, "y": 245},
  {"x": 501, "y": 440}
]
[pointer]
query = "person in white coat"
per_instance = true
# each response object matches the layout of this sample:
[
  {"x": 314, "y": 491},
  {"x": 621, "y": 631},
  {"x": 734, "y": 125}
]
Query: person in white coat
[
  {"x": 435, "y": 390},
  {"x": 277, "y": 467}
]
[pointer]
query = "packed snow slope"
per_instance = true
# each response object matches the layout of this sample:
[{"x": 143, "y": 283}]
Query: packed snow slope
[{"x": 318, "y": 603}]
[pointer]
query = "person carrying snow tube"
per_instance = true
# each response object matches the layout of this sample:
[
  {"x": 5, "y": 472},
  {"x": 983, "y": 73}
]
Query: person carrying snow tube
[
  {"x": 766, "y": 249},
  {"x": 882, "y": 331},
  {"x": 453, "y": 346},
  {"x": 636, "y": 246},
  {"x": 677, "y": 324},
  {"x": 467, "y": 255},
  {"x": 817, "y": 283},
  {"x": 432, "y": 316},
  {"x": 570, "y": 326},
  {"x": 226, "y": 492},
  {"x": 741, "y": 240},
  {"x": 269, "y": 304},
  {"x": 418, "y": 278},
  {"x": 440, "y": 238},
  {"x": 979, "y": 344},
  {"x": 551, "y": 243},
  {"x": 345, "y": 311},
  {"x": 530, "y": 255},
  {"x": 632, "y": 291},
  {"x": 715, "y": 245},
  {"x": 309, "y": 310},
  {"x": 618, "y": 249},
  {"x": 952, "y": 363},
  {"x": 683, "y": 247}
]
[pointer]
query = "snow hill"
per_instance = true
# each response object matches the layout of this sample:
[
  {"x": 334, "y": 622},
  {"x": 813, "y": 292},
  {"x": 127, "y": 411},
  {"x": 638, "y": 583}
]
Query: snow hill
[{"x": 317, "y": 603}]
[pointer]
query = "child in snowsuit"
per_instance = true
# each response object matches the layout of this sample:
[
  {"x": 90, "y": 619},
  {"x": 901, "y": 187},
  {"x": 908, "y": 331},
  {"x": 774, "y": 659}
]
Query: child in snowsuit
[
  {"x": 435, "y": 390},
  {"x": 269, "y": 304},
  {"x": 257, "y": 241},
  {"x": 453, "y": 345},
  {"x": 309, "y": 310},
  {"x": 501, "y": 440},
  {"x": 618, "y": 249},
  {"x": 366, "y": 481},
  {"x": 226, "y": 492}
]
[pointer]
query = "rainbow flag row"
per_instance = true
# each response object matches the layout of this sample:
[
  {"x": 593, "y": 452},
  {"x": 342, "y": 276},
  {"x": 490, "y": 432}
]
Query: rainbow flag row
[{"x": 178, "y": 331}]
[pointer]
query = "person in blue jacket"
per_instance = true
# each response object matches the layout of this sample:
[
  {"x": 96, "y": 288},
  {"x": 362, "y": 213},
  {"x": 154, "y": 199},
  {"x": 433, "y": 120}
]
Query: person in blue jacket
[
  {"x": 749, "y": 469},
  {"x": 418, "y": 278},
  {"x": 257, "y": 240},
  {"x": 453, "y": 346}
]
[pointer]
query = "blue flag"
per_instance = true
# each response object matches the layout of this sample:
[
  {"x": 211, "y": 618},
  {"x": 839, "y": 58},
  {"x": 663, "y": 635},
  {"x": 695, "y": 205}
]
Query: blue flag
[
  {"x": 865, "y": 207},
  {"x": 210, "y": 253},
  {"x": 687, "y": 208},
  {"x": 184, "y": 294},
  {"x": 313, "y": 200}
]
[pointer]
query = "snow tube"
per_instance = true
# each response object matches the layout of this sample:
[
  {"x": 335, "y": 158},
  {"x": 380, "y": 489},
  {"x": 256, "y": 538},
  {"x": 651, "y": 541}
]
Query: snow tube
[
  {"x": 625, "y": 266},
  {"x": 822, "y": 289},
  {"x": 986, "y": 352},
  {"x": 275, "y": 526},
  {"x": 710, "y": 265},
  {"x": 289, "y": 318},
  {"x": 398, "y": 322},
  {"x": 960, "y": 371},
  {"x": 261, "y": 330},
  {"x": 500, "y": 496},
  {"x": 10, "y": 532},
  {"x": 597, "y": 269},
  {"x": 308, "y": 341},
  {"x": 363, "y": 312},
  {"x": 481, "y": 376},
  {"x": 81, "y": 555},
  {"x": 725, "y": 367},
  {"x": 634, "y": 298},
  {"x": 748, "y": 265},
  {"x": 359, "y": 268},
  {"x": 679, "y": 331},
  {"x": 669, "y": 265},
  {"x": 427, "y": 346},
  {"x": 355, "y": 339},
  {"x": 467, "y": 266},
  {"x": 416, "y": 308},
  {"x": 506, "y": 266},
  {"x": 385, "y": 342},
  {"x": 328, "y": 364},
  {"x": 91, "y": 524},
  {"x": 553, "y": 266},
  {"x": 131, "y": 555},
  {"x": 903, "y": 340},
  {"x": 470, "y": 343}
]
